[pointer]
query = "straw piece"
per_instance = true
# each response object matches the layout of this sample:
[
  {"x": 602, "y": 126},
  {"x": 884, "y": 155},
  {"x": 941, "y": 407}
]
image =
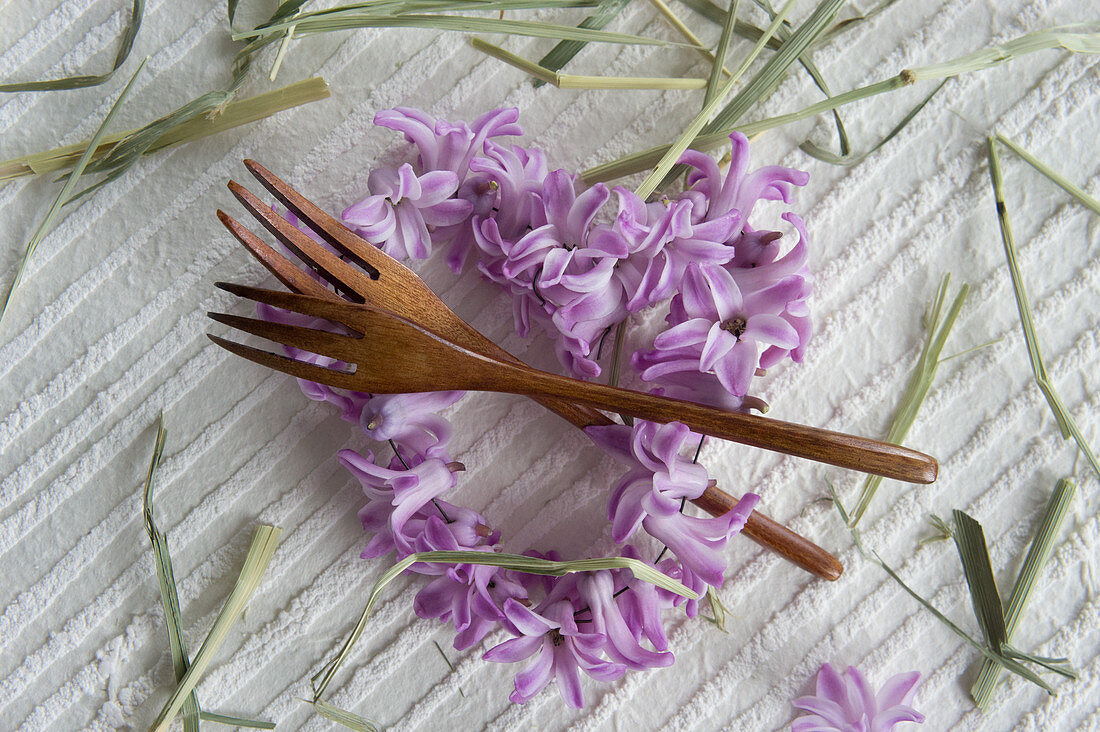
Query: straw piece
[
  {"x": 1066, "y": 423},
  {"x": 263, "y": 546},
  {"x": 66, "y": 192},
  {"x": 1037, "y": 555},
  {"x": 125, "y": 45},
  {"x": 232, "y": 115},
  {"x": 920, "y": 381}
]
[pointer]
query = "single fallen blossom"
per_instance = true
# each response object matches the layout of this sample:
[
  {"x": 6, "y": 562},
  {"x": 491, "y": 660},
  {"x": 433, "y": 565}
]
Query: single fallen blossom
[{"x": 846, "y": 703}]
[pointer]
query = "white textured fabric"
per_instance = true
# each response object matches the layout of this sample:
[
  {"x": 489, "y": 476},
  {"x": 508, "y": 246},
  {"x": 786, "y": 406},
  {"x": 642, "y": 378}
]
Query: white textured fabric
[{"x": 108, "y": 330}]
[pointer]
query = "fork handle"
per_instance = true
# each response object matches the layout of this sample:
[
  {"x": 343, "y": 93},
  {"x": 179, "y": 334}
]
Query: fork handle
[{"x": 824, "y": 446}]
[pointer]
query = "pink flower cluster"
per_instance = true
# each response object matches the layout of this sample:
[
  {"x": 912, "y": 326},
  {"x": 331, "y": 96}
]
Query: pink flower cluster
[{"x": 578, "y": 265}]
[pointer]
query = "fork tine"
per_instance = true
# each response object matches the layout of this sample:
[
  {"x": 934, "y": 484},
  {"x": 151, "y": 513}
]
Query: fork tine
[
  {"x": 276, "y": 263},
  {"x": 287, "y": 365},
  {"x": 320, "y": 342},
  {"x": 329, "y": 308},
  {"x": 331, "y": 229},
  {"x": 339, "y": 273},
  {"x": 338, "y": 311}
]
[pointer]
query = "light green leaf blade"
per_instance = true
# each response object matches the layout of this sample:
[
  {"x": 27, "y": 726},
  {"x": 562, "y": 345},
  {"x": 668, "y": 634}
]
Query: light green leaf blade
[
  {"x": 66, "y": 191},
  {"x": 1066, "y": 423},
  {"x": 343, "y": 717},
  {"x": 464, "y": 24},
  {"x": 970, "y": 540},
  {"x": 232, "y": 721},
  {"x": 1037, "y": 555},
  {"x": 263, "y": 546},
  {"x": 1057, "y": 178},
  {"x": 920, "y": 382},
  {"x": 516, "y": 562},
  {"x": 126, "y": 44}
]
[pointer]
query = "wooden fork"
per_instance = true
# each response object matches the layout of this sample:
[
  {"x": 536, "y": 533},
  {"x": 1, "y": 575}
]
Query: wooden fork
[
  {"x": 388, "y": 354},
  {"x": 380, "y": 279}
]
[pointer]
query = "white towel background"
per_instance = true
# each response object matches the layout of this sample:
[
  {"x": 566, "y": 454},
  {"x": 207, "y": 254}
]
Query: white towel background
[{"x": 108, "y": 330}]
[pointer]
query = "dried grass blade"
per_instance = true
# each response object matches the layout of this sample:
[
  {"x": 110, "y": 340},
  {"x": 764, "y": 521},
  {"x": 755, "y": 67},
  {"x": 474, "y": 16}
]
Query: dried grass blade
[
  {"x": 769, "y": 77},
  {"x": 233, "y": 115},
  {"x": 638, "y": 161},
  {"x": 545, "y": 75},
  {"x": 1071, "y": 41},
  {"x": 920, "y": 381},
  {"x": 686, "y": 32},
  {"x": 846, "y": 158},
  {"x": 126, "y": 44},
  {"x": 720, "y": 53},
  {"x": 1084, "y": 38},
  {"x": 577, "y": 81},
  {"x": 970, "y": 541},
  {"x": 235, "y": 721},
  {"x": 1057, "y": 178},
  {"x": 672, "y": 155},
  {"x": 263, "y": 546},
  {"x": 1037, "y": 555},
  {"x": 343, "y": 717},
  {"x": 773, "y": 72},
  {"x": 564, "y": 51},
  {"x": 718, "y": 610},
  {"x": 166, "y": 581},
  {"x": 66, "y": 192},
  {"x": 807, "y": 62},
  {"x": 1008, "y": 664},
  {"x": 1066, "y": 423},
  {"x": 463, "y": 24},
  {"x": 516, "y": 562}
]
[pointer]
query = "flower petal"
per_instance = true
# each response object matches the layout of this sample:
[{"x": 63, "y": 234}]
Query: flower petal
[
  {"x": 896, "y": 690},
  {"x": 771, "y": 329}
]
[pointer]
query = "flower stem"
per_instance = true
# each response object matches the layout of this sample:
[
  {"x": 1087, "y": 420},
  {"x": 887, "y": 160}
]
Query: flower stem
[{"x": 616, "y": 354}]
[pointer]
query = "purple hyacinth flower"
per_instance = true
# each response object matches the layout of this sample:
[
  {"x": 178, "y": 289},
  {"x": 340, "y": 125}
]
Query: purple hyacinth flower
[
  {"x": 561, "y": 651},
  {"x": 402, "y": 206},
  {"x": 715, "y": 195},
  {"x": 409, "y": 489},
  {"x": 642, "y": 604},
  {"x": 469, "y": 595},
  {"x": 412, "y": 421},
  {"x": 444, "y": 145},
  {"x": 846, "y": 703},
  {"x": 716, "y": 328},
  {"x": 516, "y": 175},
  {"x": 662, "y": 240},
  {"x": 659, "y": 472},
  {"x": 605, "y": 613},
  {"x": 653, "y": 492}
]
